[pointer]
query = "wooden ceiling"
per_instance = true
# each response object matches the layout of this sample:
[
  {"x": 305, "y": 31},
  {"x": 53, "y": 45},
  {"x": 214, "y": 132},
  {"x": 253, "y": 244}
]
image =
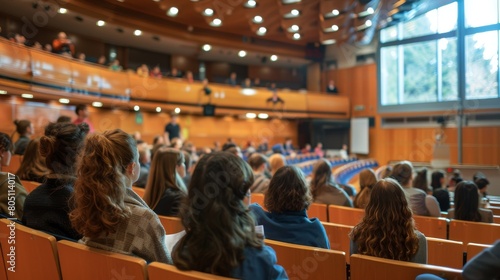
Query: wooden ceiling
[{"x": 315, "y": 20}]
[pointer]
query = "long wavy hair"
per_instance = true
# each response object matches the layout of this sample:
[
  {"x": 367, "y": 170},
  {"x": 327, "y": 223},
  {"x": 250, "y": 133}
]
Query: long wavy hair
[
  {"x": 217, "y": 221},
  {"x": 388, "y": 229},
  {"x": 33, "y": 164},
  {"x": 100, "y": 188},
  {"x": 367, "y": 179},
  {"x": 466, "y": 200},
  {"x": 321, "y": 176},
  {"x": 163, "y": 174}
]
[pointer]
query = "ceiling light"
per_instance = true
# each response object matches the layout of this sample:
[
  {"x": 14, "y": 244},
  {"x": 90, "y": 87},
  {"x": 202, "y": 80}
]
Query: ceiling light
[
  {"x": 262, "y": 31},
  {"x": 27, "y": 95},
  {"x": 157, "y": 0},
  {"x": 177, "y": 110},
  {"x": 296, "y": 36},
  {"x": 97, "y": 104},
  {"x": 206, "y": 47},
  {"x": 368, "y": 23},
  {"x": 250, "y": 4},
  {"x": 329, "y": 42},
  {"x": 64, "y": 100},
  {"x": 3, "y": 92},
  {"x": 335, "y": 12},
  {"x": 335, "y": 27},
  {"x": 263, "y": 116},
  {"x": 257, "y": 19},
  {"x": 274, "y": 57},
  {"x": 242, "y": 53},
  {"x": 216, "y": 22},
  {"x": 137, "y": 108},
  {"x": 208, "y": 12},
  {"x": 294, "y": 27},
  {"x": 251, "y": 115},
  {"x": 121, "y": 1},
  {"x": 173, "y": 11},
  {"x": 101, "y": 23},
  {"x": 62, "y": 10},
  {"x": 294, "y": 12},
  {"x": 370, "y": 11},
  {"x": 158, "y": 109},
  {"x": 137, "y": 32}
]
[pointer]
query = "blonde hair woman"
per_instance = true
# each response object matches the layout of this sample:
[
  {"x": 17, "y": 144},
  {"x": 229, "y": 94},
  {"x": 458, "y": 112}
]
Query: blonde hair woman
[
  {"x": 276, "y": 161},
  {"x": 165, "y": 188}
]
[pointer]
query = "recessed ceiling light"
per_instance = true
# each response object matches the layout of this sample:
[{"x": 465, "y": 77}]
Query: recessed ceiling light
[
  {"x": 177, "y": 110},
  {"x": 137, "y": 108},
  {"x": 27, "y": 95},
  {"x": 62, "y": 10},
  {"x": 208, "y": 12},
  {"x": 262, "y": 31},
  {"x": 206, "y": 47},
  {"x": 368, "y": 23},
  {"x": 137, "y": 32},
  {"x": 370, "y": 11},
  {"x": 329, "y": 42},
  {"x": 263, "y": 116},
  {"x": 250, "y": 4},
  {"x": 97, "y": 104},
  {"x": 294, "y": 12},
  {"x": 173, "y": 11},
  {"x": 294, "y": 27},
  {"x": 101, "y": 23},
  {"x": 158, "y": 109},
  {"x": 3, "y": 92},
  {"x": 216, "y": 22},
  {"x": 121, "y": 1},
  {"x": 257, "y": 19},
  {"x": 157, "y": 0},
  {"x": 242, "y": 53},
  {"x": 335, "y": 27},
  {"x": 296, "y": 36},
  {"x": 335, "y": 12},
  {"x": 64, "y": 100},
  {"x": 251, "y": 115},
  {"x": 274, "y": 57}
]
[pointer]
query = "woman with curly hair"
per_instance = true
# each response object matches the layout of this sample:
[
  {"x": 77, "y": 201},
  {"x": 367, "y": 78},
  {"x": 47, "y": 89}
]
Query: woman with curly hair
[
  {"x": 287, "y": 200},
  {"x": 324, "y": 189},
  {"x": 388, "y": 229},
  {"x": 367, "y": 179},
  {"x": 165, "y": 188},
  {"x": 107, "y": 212},
  {"x": 467, "y": 204},
  {"x": 33, "y": 166},
  {"x": 220, "y": 232}
]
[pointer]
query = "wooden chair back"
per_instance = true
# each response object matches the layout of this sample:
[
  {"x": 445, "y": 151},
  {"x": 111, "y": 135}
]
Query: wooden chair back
[
  {"x": 444, "y": 252},
  {"x": 432, "y": 226},
  {"x": 494, "y": 209},
  {"x": 373, "y": 268},
  {"x": 139, "y": 191},
  {"x": 35, "y": 252},
  {"x": 345, "y": 215},
  {"x": 338, "y": 235},
  {"x": 319, "y": 211},
  {"x": 171, "y": 224},
  {"x": 161, "y": 271},
  {"x": 475, "y": 248},
  {"x": 303, "y": 262},
  {"x": 496, "y": 219},
  {"x": 473, "y": 232},
  {"x": 80, "y": 262},
  {"x": 259, "y": 199},
  {"x": 15, "y": 163},
  {"x": 30, "y": 185}
]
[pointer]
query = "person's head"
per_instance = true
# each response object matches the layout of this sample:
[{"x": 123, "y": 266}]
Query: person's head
[
  {"x": 307, "y": 147},
  {"x": 386, "y": 172},
  {"x": 61, "y": 145},
  {"x": 47, "y": 47},
  {"x": 167, "y": 170},
  {"x": 33, "y": 163},
  {"x": 466, "y": 200},
  {"x": 137, "y": 136},
  {"x": 403, "y": 173},
  {"x": 481, "y": 182},
  {"x": 174, "y": 118},
  {"x": 144, "y": 153},
  {"x": 81, "y": 111},
  {"x": 367, "y": 178},
  {"x": 24, "y": 127},
  {"x": 276, "y": 161},
  {"x": 248, "y": 82},
  {"x": 287, "y": 191},
  {"x": 219, "y": 187},
  {"x": 62, "y": 36},
  {"x": 321, "y": 175},
  {"x": 115, "y": 62},
  {"x": 232, "y": 148},
  {"x": 63, "y": 119},
  {"x": 158, "y": 140},
  {"x": 187, "y": 162},
  {"x": 331, "y": 83},
  {"x": 5, "y": 150},
  {"x": 319, "y": 145},
  {"x": 421, "y": 181},
  {"x": 174, "y": 71},
  {"x": 20, "y": 39},
  {"x": 437, "y": 179},
  {"x": 258, "y": 162},
  {"x": 156, "y": 69},
  {"x": 233, "y": 76},
  {"x": 82, "y": 56},
  {"x": 388, "y": 229},
  {"x": 108, "y": 165},
  {"x": 344, "y": 147},
  {"x": 101, "y": 60},
  {"x": 176, "y": 143},
  {"x": 454, "y": 182},
  {"x": 189, "y": 75}
]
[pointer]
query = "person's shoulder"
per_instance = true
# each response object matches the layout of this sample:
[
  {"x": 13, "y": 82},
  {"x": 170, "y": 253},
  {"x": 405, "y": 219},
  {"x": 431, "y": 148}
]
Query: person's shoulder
[{"x": 256, "y": 208}]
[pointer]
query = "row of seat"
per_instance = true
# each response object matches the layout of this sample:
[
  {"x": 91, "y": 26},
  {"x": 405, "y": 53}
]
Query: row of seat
[{"x": 345, "y": 173}]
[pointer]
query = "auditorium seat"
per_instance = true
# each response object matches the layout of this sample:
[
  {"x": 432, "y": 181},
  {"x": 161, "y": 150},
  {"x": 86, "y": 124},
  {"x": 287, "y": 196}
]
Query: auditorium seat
[
  {"x": 139, "y": 191},
  {"x": 30, "y": 185},
  {"x": 259, "y": 199},
  {"x": 345, "y": 215},
  {"x": 35, "y": 252},
  {"x": 473, "y": 232},
  {"x": 15, "y": 163},
  {"x": 319, "y": 211},
  {"x": 171, "y": 224},
  {"x": 338, "y": 235},
  {"x": 444, "y": 252},
  {"x": 80, "y": 262},
  {"x": 161, "y": 271},
  {"x": 496, "y": 219},
  {"x": 475, "y": 248},
  {"x": 3, "y": 269},
  {"x": 303, "y": 262},
  {"x": 373, "y": 268},
  {"x": 432, "y": 226},
  {"x": 494, "y": 209}
]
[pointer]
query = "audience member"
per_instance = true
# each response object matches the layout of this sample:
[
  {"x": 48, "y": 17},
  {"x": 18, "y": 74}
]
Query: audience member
[
  {"x": 388, "y": 229},
  {"x": 331, "y": 88},
  {"x": 188, "y": 163},
  {"x": 217, "y": 147},
  {"x": 288, "y": 146},
  {"x": 48, "y": 206},
  {"x": 324, "y": 190},
  {"x": 189, "y": 77},
  {"x": 466, "y": 204},
  {"x": 482, "y": 184},
  {"x": 256, "y": 82},
  {"x": 306, "y": 149},
  {"x": 441, "y": 194},
  {"x": 165, "y": 188},
  {"x": 276, "y": 161},
  {"x": 47, "y": 47},
  {"x": 258, "y": 162},
  {"x": 272, "y": 87},
  {"x": 144, "y": 162},
  {"x": 344, "y": 152},
  {"x": 367, "y": 180},
  {"x": 485, "y": 265},
  {"x": 20, "y": 39},
  {"x": 143, "y": 71},
  {"x": 386, "y": 172},
  {"x": 172, "y": 130},
  {"x": 37, "y": 46},
  {"x": 156, "y": 72},
  {"x": 25, "y": 129},
  {"x": 275, "y": 99},
  {"x": 420, "y": 203},
  {"x": 176, "y": 144},
  {"x": 33, "y": 166},
  {"x": 263, "y": 146},
  {"x": 102, "y": 60},
  {"x": 115, "y": 66},
  {"x": 287, "y": 201},
  {"x": 6, "y": 181},
  {"x": 63, "y": 119},
  {"x": 232, "y": 79},
  {"x": 174, "y": 73},
  {"x": 63, "y": 45},
  {"x": 421, "y": 182},
  {"x": 247, "y": 83},
  {"x": 318, "y": 150},
  {"x": 216, "y": 212},
  {"x": 81, "y": 57},
  {"x": 232, "y": 148},
  {"x": 107, "y": 212},
  {"x": 82, "y": 114}
]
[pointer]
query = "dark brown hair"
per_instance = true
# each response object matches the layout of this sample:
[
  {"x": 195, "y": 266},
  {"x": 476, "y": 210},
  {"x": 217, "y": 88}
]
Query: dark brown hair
[
  {"x": 287, "y": 191},
  {"x": 22, "y": 126},
  {"x": 33, "y": 164},
  {"x": 256, "y": 160},
  {"x": 402, "y": 172},
  {"x": 321, "y": 176},
  {"x": 466, "y": 199}
]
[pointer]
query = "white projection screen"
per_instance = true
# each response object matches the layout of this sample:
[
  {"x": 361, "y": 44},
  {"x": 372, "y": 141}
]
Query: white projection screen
[{"x": 360, "y": 136}]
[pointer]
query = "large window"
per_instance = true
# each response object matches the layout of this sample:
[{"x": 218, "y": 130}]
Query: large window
[{"x": 420, "y": 62}]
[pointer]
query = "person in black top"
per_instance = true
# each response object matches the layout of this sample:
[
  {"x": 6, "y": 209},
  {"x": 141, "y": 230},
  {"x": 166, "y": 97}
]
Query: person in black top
[
  {"x": 275, "y": 99},
  {"x": 331, "y": 88},
  {"x": 25, "y": 129},
  {"x": 172, "y": 130}
]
